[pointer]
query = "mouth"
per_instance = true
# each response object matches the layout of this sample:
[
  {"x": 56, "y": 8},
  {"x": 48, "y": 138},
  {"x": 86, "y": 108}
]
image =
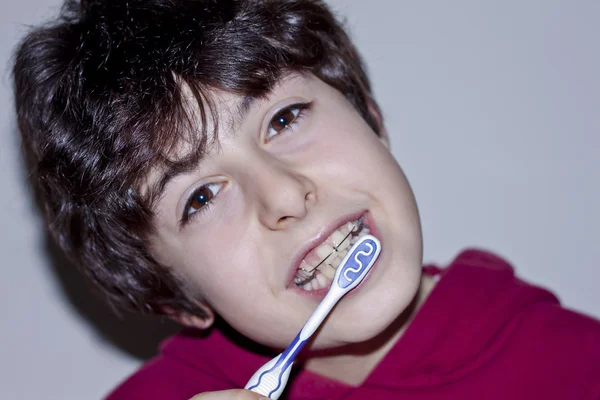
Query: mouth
[{"x": 316, "y": 271}]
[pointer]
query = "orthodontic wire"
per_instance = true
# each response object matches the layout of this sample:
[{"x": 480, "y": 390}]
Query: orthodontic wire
[{"x": 335, "y": 250}]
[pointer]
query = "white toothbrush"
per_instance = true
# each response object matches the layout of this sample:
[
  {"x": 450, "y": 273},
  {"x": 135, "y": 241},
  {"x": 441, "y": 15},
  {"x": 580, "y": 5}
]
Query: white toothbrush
[{"x": 271, "y": 378}]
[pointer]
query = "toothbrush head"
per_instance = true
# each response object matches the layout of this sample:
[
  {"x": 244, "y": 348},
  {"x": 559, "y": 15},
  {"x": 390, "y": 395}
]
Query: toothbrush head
[{"x": 357, "y": 263}]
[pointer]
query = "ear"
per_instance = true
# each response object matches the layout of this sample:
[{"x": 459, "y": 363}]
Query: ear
[
  {"x": 383, "y": 136},
  {"x": 193, "y": 321},
  {"x": 376, "y": 114}
]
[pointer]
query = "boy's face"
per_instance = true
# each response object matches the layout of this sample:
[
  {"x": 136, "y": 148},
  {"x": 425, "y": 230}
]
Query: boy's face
[{"x": 282, "y": 178}]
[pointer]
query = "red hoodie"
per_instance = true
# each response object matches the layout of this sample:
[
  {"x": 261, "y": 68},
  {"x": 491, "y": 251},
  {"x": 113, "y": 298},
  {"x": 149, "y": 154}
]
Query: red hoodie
[{"x": 481, "y": 334}]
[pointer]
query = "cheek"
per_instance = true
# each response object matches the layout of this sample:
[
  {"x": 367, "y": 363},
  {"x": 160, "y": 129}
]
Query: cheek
[
  {"x": 220, "y": 269},
  {"x": 348, "y": 134},
  {"x": 352, "y": 152}
]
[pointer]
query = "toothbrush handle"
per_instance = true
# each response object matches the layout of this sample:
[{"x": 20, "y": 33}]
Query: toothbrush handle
[
  {"x": 321, "y": 312},
  {"x": 270, "y": 379},
  {"x": 279, "y": 367}
]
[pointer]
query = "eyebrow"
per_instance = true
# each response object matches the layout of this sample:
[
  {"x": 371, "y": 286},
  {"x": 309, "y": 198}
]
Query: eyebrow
[{"x": 157, "y": 190}]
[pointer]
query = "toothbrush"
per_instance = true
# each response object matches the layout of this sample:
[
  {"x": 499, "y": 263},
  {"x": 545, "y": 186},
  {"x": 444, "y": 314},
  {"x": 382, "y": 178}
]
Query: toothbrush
[{"x": 271, "y": 378}]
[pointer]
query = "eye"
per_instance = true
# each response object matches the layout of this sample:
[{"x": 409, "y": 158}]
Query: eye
[
  {"x": 284, "y": 120},
  {"x": 201, "y": 199}
]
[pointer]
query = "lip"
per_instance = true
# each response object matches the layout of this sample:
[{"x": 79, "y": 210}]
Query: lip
[{"x": 320, "y": 238}]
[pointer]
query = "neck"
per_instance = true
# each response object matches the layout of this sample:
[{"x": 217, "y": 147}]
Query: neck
[{"x": 352, "y": 364}]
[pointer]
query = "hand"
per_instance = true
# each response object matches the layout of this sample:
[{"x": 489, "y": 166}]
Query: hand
[{"x": 234, "y": 394}]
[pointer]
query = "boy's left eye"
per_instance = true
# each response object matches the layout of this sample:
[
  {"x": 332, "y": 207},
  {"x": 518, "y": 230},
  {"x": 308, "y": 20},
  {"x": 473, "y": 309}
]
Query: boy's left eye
[{"x": 284, "y": 119}]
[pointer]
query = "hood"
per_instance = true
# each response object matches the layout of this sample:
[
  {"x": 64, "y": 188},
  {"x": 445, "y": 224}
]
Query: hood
[{"x": 474, "y": 309}]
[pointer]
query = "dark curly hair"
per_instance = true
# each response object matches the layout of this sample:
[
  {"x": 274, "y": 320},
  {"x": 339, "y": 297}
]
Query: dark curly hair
[{"x": 99, "y": 103}]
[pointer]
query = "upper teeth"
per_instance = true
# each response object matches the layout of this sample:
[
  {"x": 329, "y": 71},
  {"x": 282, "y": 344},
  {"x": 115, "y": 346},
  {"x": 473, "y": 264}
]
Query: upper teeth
[
  {"x": 323, "y": 275},
  {"x": 324, "y": 250}
]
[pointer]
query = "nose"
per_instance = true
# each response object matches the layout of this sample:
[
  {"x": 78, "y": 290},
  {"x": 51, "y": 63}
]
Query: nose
[{"x": 283, "y": 194}]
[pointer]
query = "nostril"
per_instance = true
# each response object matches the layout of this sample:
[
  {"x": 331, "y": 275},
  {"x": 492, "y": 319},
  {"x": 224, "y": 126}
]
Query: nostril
[{"x": 284, "y": 220}]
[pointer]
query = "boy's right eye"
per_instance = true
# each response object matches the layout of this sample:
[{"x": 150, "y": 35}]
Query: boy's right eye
[{"x": 200, "y": 200}]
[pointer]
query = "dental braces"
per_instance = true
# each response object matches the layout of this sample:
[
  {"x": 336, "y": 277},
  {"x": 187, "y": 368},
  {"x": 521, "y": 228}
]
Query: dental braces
[{"x": 307, "y": 275}]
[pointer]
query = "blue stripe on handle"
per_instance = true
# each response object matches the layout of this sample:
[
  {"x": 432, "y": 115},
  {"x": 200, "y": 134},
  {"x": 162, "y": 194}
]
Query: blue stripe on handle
[{"x": 294, "y": 347}]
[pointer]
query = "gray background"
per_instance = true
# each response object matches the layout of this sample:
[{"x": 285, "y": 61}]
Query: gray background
[{"x": 493, "y": 112}]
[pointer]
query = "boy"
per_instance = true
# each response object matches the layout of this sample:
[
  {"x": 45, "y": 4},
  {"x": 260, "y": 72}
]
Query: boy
[{"x": 193, "y": 156}]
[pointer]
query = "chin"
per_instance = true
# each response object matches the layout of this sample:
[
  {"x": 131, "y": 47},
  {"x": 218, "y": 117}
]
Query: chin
[
  {"x": 382, "y": 313},
  {"x": 365, "y": 327}
]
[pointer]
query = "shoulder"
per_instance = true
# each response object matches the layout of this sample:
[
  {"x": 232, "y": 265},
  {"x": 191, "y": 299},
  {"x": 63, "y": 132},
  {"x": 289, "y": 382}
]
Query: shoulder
[
  {"x": 189, "y": 363},
  {"x": 562, "y": 334},
  {"x": 491, "y": 280},
  {"x": 552, "y": 343},
  {"x": 540, "y": 337},
  {"x": 485, "y": 285},
  {"x": 160, "y": 378}
]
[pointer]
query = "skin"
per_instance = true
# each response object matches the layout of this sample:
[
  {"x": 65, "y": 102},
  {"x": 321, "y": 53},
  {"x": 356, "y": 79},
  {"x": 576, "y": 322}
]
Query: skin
[{"x": 274, "y": 196}]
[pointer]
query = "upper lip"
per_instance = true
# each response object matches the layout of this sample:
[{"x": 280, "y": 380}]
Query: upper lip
[{"x": 319, "y": 238}]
